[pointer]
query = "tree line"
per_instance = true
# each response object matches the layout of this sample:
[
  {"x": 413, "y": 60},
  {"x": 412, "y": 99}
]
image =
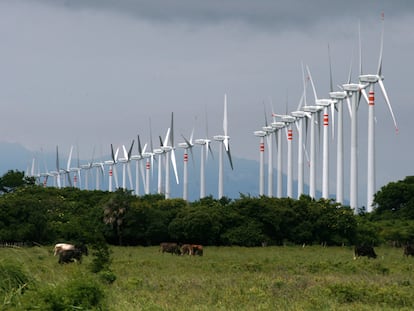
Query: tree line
[{"x": 47, "y": 215}]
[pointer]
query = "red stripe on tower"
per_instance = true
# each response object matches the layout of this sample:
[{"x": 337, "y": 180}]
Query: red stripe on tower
[
  {"x": 261, "y": 147},
  {"x": 185, "y": 157},
  {"x": 148, "y": 165},
  {"x": 290, "y": 134},
  {"x": 325, "y": 119},
  {"x": 371, "y": 98},
  {"x": 110, "y": 172}
]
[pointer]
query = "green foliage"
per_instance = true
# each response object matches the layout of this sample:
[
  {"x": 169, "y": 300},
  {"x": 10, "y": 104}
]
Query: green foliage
[
  {"x": 395, "y": 200},
  {"x": 102, "y": 258},
  {"x": 81, "y": 293},
  {"x": 12, "y": 180},
  {"x": 13, "y": 282}
]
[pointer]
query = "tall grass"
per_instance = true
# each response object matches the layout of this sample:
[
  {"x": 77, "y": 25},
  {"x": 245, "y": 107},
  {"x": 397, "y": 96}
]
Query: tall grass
[{"x": 230, "y": 278}]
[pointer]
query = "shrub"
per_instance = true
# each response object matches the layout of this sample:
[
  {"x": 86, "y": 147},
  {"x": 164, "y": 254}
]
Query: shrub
[{"x": 13, "y": 281}]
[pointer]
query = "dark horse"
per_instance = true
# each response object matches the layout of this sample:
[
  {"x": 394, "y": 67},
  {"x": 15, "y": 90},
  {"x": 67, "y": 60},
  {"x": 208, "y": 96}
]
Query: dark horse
[{"x": 71, "y": 255}]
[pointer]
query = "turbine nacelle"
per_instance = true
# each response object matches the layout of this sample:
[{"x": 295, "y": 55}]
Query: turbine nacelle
[
  {"x": 200, "y": 141},
  {"x": 221, "y": 137},
  {"x": 369, "y": 78},
  {"x": 312, "y": 109},
  {"x": 287, "y": 118},
  {"x": 260, "y": 133},
  {"x": 354, "y": 87},
  {"x": 325, "y": 102},
  {"x": 338, "y": 95},
  {"x": 278, "y": 125},
  {"x": 268, "y": 129},
  {"x": 300, "y": 114}
]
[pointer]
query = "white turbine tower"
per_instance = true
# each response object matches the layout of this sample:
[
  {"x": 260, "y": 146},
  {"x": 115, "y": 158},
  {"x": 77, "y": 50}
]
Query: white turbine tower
[
  {"x": 288, "y": 120},
  {"x": 301, "y": 116},
  {"x": 169, "y": 148},
  {"x": 325, "y": 103},
  {"x": 126, "y": 168},
  {"x": 353, "y": 92},
  {"x": 149, "y": 163},
  {"x": 224, "y": 142},
  {"x": 371, "y": 80},
  {"x": 186, "y": 145},
  {"x": 314, "y": 111},
  {"x": 112, "y": 168},
  {"x": 261, "y": 135},
  {"x": 269, "y": 130},
  {"x": 339, "y": 97},
  {"x": 139, "y": 168},
  {"x": 278, "y": 126},
  {"x": 205, "y": 150}
]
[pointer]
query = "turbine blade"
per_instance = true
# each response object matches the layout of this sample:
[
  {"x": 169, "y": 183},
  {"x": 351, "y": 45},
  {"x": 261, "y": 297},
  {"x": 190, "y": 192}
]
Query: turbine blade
[
  {"x": 330, "y": 71},
  {"x": 229, "y": 156},
  {"x": 348, "y": 101},
  {"x": 381, "y": 49},
  {"x": 388, "y": 103},
  {"x": 69, "y": 158},
  {"x": 360, "y": 48},
  {"x": 139, "y": 147},
  {"x": 225, "y": 116},
  {"x": 364, "y": 93},
  {"x": 174, "y": 164},
  {"x": 130, "y": 150},
  {"x": 313, "y": 86}
]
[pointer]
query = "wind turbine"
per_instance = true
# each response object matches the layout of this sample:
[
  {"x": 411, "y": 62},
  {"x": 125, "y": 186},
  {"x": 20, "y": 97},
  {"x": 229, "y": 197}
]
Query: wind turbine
[
  {"x": 87, "y": 167},
  {"x": 261, "y": 135},
  {"x": 205, "y": 144},
  {"x": 269, "y": 130},
  {"x": 126, "y": 168},
  {"x": 313, "y": 110},
  {"x": 339, "y": 97},
  {"x": 112, "y": 168},
  {"x": 224, "y": 141},
  {"x": 187, "y": 145},
  {"x": 301, "y": 116},
  {"x": 278, "y": 126},
  {"x": 354, "y": 90},
  {"x": 138, "y": 166},
  {"x": 325, "y": 103},
  {"x": 371, "y": 80},
  {"x": 67, "y": 170},
  {"x": 169, "y": 147},
  {"x": 149, "y": 164}
]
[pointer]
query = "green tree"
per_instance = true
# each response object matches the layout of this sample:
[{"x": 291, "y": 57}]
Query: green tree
[{"x": 14, "y": 179}]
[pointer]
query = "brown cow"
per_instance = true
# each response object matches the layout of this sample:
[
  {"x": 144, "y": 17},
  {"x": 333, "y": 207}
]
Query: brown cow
[
  {"x": 167, "y": 247},
  {"x": 197, "y": 249},
  {"x": 409, "y": 250},
  {"x": 186, "y": 249}
]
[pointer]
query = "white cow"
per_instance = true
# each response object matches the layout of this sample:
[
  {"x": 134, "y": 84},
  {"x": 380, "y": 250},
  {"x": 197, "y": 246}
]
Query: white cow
[{"x": 59, "y": 247}]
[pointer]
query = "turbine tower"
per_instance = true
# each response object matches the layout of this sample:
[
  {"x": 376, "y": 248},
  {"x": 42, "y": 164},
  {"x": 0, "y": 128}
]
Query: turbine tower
[
  {"x": 224, "y": 141},
  {"x": 168, "y": 147},
  {"x": 261, "y": 135},
  {"x": 269, "y": 130},
  {"x": 353, "y": 92},
  {"x": 288, "y": 120},
  {"x": 205, "y": 144},
  {"x": 277, "y": 126},
  {"x": 186, "y": 145},
  {"x": 313, "y": 110},
  {"x": 139, "y": 168},
  {"x": 339, "y": 97},
  {"x": 112, "y": 168},
  {"x": 371, "y": 80},
  {"x": 325, "y": 103}
]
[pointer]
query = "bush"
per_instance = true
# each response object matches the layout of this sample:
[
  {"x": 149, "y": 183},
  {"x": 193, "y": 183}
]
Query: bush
[
  {"x": 13, "y": 282},
  {"x": 78, "y": 294}
]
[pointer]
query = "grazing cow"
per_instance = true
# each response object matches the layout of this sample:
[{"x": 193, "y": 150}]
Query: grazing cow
[
  {"x": 172, "y": 248},
  {"x": 186, "y": 249},
  {"x": 364, "y": 251},
  {"x": 62, "y": 247},
  {"x": 409, "y": 250},
  {"x": 71, "y": 255},
  {"x": 197, "y": 249}
]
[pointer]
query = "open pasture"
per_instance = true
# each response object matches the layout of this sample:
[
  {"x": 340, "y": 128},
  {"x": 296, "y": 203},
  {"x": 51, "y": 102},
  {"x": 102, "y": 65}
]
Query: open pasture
[{"x": 236, "y": 278}]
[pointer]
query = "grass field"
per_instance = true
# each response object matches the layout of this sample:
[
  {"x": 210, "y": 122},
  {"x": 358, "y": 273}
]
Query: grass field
[{"x": 231, "y": 278}]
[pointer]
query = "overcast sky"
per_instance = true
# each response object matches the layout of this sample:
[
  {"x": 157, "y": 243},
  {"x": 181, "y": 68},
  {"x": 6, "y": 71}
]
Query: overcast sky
[{"x": 93, "y": 72}]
